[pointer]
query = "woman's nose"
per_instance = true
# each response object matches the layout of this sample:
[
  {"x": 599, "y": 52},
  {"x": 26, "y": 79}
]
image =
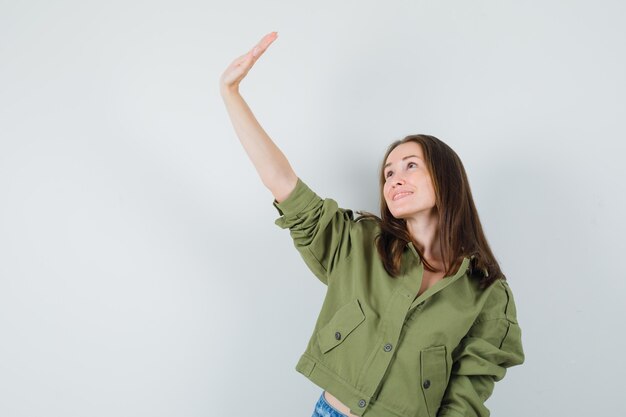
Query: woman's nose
[{"x": 398, "y": 180}]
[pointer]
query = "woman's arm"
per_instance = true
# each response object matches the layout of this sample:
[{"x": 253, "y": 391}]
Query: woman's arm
[
  {"x": 493, "y": 344},
  {"x": 271, "y": 164}
]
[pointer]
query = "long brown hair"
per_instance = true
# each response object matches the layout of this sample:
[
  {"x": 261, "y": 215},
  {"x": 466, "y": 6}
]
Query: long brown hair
[{"x": 460, "y": 231}]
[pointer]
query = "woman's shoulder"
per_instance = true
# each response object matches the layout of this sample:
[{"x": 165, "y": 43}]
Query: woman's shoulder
[
  {"x": 497, "y": 301},
  {"x": 363, "y": 233},
  {"x": 366, "y": 225}
]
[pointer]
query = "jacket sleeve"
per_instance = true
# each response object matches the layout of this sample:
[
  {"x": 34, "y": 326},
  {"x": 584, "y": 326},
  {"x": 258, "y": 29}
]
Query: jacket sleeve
[
  {"x": 492, "y": 344},
  {"x": 319, "y": 228}
]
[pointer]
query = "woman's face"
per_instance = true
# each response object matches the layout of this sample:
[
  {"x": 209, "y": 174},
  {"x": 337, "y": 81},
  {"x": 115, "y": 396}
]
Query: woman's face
[{"x": 408, "y": 188}]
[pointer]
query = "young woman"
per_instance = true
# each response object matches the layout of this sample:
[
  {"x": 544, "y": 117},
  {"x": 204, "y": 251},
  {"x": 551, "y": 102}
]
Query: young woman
[{"x": 418, "y": 320}]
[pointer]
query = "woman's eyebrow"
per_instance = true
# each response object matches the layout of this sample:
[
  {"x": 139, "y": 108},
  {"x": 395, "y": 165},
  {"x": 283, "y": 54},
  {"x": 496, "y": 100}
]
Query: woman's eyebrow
[{"x": 406, "y": 157}]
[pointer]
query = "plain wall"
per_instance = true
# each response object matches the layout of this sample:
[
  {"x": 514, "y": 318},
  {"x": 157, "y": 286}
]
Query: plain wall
[{"x": 141, "y": 272}]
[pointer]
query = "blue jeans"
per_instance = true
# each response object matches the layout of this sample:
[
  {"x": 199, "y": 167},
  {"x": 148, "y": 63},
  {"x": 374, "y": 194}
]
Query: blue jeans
[{"x": 323, "y": 409}]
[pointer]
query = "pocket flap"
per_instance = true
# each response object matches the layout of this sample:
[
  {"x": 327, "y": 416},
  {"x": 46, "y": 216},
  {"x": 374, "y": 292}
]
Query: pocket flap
[{"x": 345, "y": 320}]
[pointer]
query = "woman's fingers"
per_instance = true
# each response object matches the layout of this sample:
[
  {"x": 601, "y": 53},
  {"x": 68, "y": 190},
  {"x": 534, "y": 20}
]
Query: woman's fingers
[
  {"x": 260, "y": 47},
  {"x": 238, "y": 69}
]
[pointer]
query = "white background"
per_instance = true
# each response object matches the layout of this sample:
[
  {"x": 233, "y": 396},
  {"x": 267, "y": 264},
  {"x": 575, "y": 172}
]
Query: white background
[{"x": 141, "y": 272}]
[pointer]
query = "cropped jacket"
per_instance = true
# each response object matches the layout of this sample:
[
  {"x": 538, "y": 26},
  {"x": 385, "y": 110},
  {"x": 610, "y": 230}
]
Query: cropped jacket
[{"x": 378, "y": 347}]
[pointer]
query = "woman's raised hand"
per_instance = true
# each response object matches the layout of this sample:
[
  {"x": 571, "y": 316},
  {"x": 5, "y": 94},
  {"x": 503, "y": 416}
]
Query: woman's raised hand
[
  {"x": 238, "y": 69},
  {"x": 273, "y": 167}
]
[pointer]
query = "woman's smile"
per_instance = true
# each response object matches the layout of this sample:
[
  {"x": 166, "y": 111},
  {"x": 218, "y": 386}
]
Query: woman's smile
[{"x": 401, "y": 195}]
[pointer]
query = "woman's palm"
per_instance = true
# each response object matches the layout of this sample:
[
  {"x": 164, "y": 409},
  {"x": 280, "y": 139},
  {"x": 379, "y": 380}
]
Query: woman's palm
[{"x": 238, "y": 69}]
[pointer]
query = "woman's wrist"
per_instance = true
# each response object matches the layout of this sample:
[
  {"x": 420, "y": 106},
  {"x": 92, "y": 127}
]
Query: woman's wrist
[{"x": 228, "y": 91}]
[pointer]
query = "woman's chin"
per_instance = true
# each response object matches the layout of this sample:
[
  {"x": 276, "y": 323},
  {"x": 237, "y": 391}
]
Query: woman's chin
[{"x": 398, "y": 214}]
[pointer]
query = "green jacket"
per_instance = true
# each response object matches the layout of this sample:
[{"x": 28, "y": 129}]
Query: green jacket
[{"x": 377, "y": 347}]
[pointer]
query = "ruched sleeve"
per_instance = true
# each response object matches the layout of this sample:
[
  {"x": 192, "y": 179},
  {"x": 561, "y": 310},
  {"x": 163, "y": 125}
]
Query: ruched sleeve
[
  {"x": 319, "y": 228},
  {"x": 492, "y": 344}
]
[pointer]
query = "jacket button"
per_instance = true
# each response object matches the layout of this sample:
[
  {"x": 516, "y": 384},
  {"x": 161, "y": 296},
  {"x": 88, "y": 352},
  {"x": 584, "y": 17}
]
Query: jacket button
[
  {"x": 337, "y": 335},
  {"x": 426, "y": 384},
  {"x": 362, "y": 403},
  {"x": 388, "y": 347}
]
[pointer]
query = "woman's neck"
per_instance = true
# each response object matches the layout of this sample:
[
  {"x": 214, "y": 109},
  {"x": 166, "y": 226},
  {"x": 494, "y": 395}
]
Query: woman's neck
[{"x": 425, "y": 232}]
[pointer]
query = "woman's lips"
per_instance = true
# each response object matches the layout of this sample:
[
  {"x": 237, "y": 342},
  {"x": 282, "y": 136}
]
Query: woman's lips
[{"x": 401, "y": 195}]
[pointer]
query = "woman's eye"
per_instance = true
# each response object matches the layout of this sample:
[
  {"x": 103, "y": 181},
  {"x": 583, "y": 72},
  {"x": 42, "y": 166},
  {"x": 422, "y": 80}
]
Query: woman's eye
[
  {"x": 412, "y": 163},
  {"x": 388, "y": 172}
]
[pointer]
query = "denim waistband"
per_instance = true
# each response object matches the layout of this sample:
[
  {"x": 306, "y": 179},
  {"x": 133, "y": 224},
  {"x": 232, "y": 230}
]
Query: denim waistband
[{"x": 323, "y": 409}]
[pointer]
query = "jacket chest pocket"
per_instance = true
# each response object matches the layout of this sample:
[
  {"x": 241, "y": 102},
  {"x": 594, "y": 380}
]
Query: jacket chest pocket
[
  {"x": 433, "y": 376},
  {"x": 345, "y": 320}
]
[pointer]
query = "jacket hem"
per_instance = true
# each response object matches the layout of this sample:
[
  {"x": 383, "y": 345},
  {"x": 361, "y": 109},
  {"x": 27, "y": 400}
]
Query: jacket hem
[{"x": 326, "y": 379}]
